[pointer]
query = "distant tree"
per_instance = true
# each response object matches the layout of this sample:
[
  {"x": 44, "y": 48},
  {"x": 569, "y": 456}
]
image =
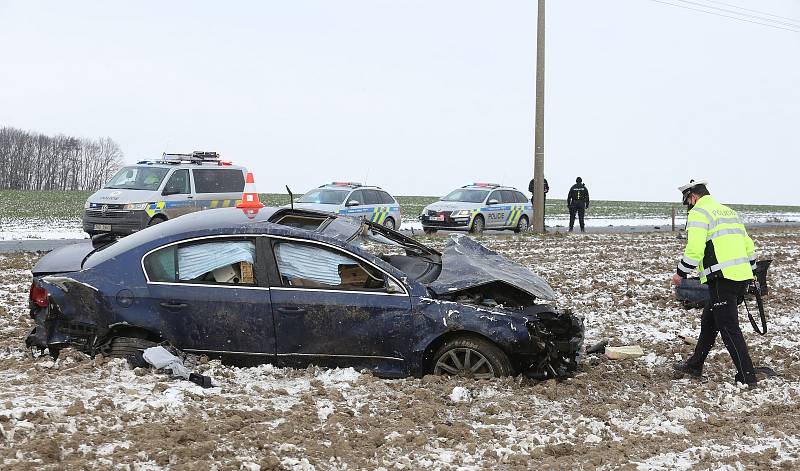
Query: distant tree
[{"x": 33, "y": 161}]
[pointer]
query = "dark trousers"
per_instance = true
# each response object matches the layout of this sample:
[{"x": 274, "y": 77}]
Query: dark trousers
[
  {"x": 579, "y": 208},
  {"x": 721, "y": 315}
]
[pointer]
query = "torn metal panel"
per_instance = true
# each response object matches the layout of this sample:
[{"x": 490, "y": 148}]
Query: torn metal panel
[{"x": 468, "y": 264}]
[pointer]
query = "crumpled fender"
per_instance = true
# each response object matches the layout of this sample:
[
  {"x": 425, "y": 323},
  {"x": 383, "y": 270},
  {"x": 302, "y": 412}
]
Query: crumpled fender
[{"x": 74, "y": 301}]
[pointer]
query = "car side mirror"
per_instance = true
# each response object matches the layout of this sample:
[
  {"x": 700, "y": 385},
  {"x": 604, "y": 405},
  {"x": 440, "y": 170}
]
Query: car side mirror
[
  {"x": 352, "y": 203},
  {"x": 393, "y": 287},
  {"x": 493, "y": 201}
]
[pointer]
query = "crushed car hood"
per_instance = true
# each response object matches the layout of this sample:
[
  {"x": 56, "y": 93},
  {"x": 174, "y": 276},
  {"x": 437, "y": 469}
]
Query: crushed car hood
[{"x": 468, "y": 264}]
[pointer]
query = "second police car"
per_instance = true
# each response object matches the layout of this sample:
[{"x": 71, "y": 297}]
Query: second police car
[
  {"x": 477, "y": 207},
  {"x": 353, "y": 199}
]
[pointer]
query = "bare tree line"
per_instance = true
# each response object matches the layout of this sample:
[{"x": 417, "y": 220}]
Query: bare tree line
[{"x": 32, "y": 161}]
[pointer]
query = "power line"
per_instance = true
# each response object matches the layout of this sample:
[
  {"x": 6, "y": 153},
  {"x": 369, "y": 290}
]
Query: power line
[
  {"x": 727, "y": 16},
  {"x": 791, "y": 25},
  {"x": 793, "y": 20}
]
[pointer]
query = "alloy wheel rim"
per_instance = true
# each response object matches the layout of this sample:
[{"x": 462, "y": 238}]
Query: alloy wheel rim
[{"x": 464, "y": 362}]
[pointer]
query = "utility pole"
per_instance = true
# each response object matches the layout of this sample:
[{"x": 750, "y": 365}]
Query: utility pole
[{"x": 538, "y": 156}]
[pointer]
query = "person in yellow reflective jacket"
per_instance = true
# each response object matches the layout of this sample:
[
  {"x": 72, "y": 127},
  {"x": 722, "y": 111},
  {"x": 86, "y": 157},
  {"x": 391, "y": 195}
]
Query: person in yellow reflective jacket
[{"x": 719, "y": 248}]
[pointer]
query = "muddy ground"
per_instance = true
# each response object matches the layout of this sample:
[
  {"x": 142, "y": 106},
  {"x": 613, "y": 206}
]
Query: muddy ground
[{"x": 94, "y": 414}]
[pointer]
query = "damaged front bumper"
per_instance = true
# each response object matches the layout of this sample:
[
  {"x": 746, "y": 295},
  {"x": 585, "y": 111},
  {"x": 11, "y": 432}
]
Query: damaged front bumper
[{"x": 557, "y": 338}]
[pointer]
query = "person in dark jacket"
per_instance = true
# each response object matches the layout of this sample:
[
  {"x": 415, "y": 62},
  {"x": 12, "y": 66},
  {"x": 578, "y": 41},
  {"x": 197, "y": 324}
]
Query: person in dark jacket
[
  {"x": 577, "y": 202},
  {"x": 546, "y": 189}
]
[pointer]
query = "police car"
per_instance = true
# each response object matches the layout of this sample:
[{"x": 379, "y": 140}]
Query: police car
[
  {"x": 153, "y": 191},
  {"x": 477, "y": 207},
  {"x": 353, "y": 199}
]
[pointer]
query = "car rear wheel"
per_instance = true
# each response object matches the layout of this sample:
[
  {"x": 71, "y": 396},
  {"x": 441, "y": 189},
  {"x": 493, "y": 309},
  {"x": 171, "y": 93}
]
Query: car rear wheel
[
  {"x": 471, "y": 357},
  {"x": 522, "y": 225},
  {"x": 478, "y": 225},
  {"x": 389, "y": 222},
  {"x": 129, "y": 348}
]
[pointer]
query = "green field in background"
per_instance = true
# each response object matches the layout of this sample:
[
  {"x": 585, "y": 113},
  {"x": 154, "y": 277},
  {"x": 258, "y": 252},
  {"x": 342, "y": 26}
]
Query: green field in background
[{"x": 53, "y": 205}]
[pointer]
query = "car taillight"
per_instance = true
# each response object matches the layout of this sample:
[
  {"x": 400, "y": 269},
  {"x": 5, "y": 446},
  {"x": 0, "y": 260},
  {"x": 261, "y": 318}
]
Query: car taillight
[{"x": 38, "y": 295}]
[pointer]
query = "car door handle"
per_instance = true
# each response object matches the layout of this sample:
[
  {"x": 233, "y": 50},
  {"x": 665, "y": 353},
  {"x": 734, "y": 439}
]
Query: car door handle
[
  {"x": 291, "y": 310},
  {"x": 173, "y": 305}
]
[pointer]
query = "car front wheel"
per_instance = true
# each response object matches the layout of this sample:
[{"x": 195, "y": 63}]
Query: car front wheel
[
  {"x": 471, "y": 357},
  {"x": 389, "y": 223},
  {"x": 478, "y": 225}
]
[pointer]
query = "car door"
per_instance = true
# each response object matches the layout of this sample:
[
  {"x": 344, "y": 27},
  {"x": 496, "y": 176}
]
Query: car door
[
  {"x": 513, "y": 209},
  {"x": 176, "y": 196},
  {"x": 213, "y": 298},
  {"x": 372, "y": 201},
  {"x": 334, "y": 309},
  {"x": 356, "y": 206},
  {"x": 495, "y": 213}
]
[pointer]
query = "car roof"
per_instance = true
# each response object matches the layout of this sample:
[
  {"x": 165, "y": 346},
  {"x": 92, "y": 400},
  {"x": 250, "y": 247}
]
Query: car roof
[
  {"x": 488, "y": 186},
  {"x": 225, "y": 221},
  {"x": 349, "y": 186},
  {"x": 204, "y": 165}
]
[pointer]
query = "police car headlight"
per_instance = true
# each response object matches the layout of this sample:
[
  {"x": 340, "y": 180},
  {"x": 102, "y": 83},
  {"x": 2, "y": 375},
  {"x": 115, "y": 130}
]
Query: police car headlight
[
  {"x": 136, "y": 206},
  {"x": 462, "y": 213}
]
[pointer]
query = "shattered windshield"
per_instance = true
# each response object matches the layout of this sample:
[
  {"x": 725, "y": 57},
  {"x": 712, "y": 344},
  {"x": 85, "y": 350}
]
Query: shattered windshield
[
  {"x": 324, "y": 196},
  {"x": 467, "y": 196},
  {"x": 138, "y": 178}
]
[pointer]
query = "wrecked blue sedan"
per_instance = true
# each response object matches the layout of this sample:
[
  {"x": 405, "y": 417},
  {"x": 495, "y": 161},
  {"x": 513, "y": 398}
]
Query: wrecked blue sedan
[{"x": 295, "y": 288}]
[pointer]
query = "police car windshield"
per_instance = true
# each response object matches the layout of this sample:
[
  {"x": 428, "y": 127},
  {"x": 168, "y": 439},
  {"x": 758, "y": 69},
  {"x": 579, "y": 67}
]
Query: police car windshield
[
  {"x": 467, "y": 196},
  {"x": 138, "y": 178},
  {"x": 323, "y": 196}
]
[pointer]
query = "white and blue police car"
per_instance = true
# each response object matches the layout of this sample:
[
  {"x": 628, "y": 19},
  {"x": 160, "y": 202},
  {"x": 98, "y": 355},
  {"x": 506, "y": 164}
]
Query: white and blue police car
[
  {"x": 477, "y": 207},
  {"x": 353, "y": 199}
]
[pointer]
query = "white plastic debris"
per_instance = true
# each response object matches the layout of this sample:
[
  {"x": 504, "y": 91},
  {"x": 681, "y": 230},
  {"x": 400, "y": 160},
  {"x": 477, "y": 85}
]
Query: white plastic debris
[
  {"x": 624, "y": 352},
  {"x": 159, "y": 357}
]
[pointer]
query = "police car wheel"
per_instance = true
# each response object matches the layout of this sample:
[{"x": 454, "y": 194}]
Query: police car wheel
[
  {"x": 478, "y": 225},
  {"x": 522, "y": 225},
  {"x": 389, "y": 222},
  {"x": 155, "y": 220}
]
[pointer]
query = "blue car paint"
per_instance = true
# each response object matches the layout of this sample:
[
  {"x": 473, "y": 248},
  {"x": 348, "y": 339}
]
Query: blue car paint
[{"x": 390, "y": 334}]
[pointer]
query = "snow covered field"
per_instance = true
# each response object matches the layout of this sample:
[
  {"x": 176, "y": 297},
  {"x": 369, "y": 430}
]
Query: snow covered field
[{"x": 83, "y": 413}]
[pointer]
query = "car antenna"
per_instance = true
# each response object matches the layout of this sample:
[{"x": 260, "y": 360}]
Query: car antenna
[{"x": 291, "y": 197}]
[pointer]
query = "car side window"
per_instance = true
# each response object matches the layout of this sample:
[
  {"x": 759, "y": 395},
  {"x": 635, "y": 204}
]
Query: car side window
[
  {"x": 178, "y": 183},
  {"x": 508, "y": 196},
  {"x": 206, "y": 262},
  {"x": 495, "y": 195},
  {"x": 521, "y": 198},
  {"x": 371, "y": 197},
  {"x": 312, "y": 266},
  {"x": 386, "y": 198},
  {"x": 356, "y": 196},
  {"x": 221, "y": 180}
]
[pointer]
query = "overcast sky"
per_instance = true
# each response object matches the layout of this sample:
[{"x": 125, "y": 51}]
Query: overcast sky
[{"x": 422, "y": 96}]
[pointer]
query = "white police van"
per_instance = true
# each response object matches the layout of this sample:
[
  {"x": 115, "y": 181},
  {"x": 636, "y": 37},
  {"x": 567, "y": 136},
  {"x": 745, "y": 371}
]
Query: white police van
[
  {"x": 353, "y": 199},
  {"x": 477, "y": 207},
  {"x": 153, "y": 191}
]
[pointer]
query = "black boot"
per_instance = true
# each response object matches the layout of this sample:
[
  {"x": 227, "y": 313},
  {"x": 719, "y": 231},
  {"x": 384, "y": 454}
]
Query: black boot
[{"x": 682, "y": 368}]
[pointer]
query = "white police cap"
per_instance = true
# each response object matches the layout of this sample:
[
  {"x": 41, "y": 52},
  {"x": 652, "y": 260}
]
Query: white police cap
[{"x": 691, "y": 184}]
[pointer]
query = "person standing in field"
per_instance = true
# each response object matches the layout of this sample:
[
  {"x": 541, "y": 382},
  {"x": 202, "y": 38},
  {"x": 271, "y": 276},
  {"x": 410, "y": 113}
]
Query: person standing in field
[
  {"x": 531, "y": 188},
  {"x": 719, "y": 248},
  {"x": 577, "y": 202}
]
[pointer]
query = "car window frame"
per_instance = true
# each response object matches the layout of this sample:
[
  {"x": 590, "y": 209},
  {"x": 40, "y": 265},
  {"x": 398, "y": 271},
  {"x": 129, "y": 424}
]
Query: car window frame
[
  {"x": 499, "y": 197},
  {"x": 260, "y": 269},
  {"x": 277, "y": 283},
  {"x": 350, "y": 197}
]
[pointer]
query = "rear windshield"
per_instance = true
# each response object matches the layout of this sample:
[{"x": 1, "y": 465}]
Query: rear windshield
[
  {"x": 467, "y": 196},
  {"x": 138, "y": 178},
  {"x": 323, "y": 196}
]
